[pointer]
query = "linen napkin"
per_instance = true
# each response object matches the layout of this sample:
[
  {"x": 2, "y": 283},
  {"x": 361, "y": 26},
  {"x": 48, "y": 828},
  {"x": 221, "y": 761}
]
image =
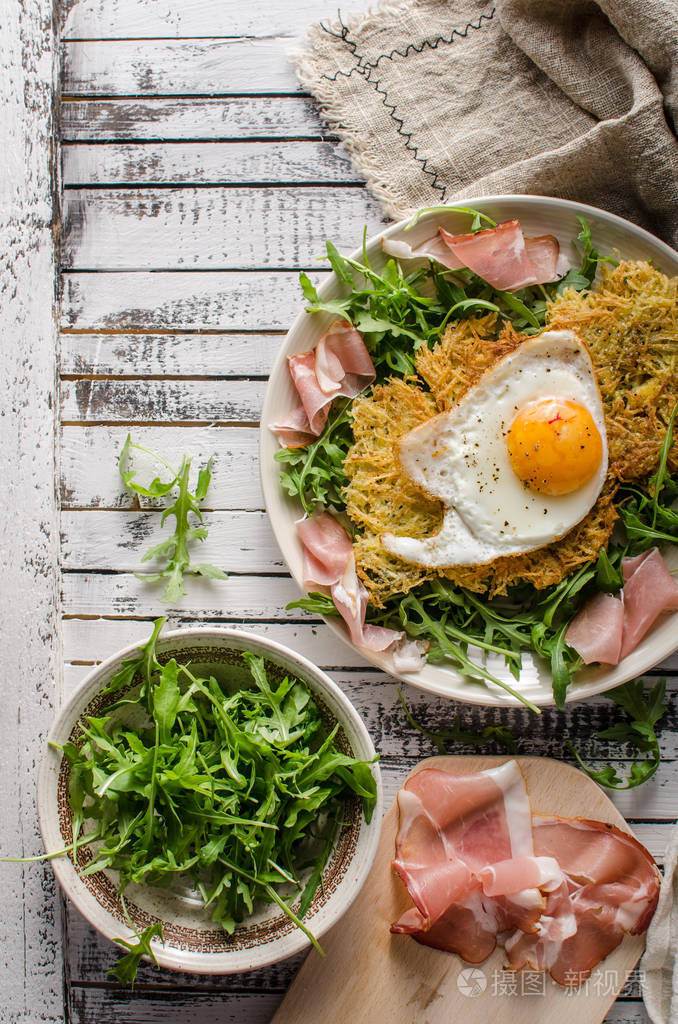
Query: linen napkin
[
  {"x": 437, "y": 100},
  {"x": 659, "y": 966}
]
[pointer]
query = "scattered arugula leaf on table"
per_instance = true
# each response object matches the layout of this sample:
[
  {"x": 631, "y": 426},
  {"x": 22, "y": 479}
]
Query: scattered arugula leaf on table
[
  {"x": 125, "y": 970},
  {"x": 176, "y": 549},
  {"x": 643, "y": 711},
  {"x": 501, "y": 735}
]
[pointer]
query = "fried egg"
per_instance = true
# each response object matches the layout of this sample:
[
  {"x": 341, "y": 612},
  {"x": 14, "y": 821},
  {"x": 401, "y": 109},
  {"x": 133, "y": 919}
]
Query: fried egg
[{"x": 518, "y": 462}]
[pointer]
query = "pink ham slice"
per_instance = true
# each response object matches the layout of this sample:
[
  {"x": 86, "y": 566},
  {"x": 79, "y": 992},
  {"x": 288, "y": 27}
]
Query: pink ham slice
[
  {"x": 350, "y": 599},
  {"x": 294, "y": 431},
  {"x": 559, "y": 894},
  {"x": 434, "y": 248},
  {"x": 543, "y": 253},
  {"x": 327, "y": 549},
  {"x": 338, "y": 365},
  {"x": 611, "y": 888},
  {"x": 502, "y": 256},
  {"x": 451, "y": 829},
  {"x": 498, "y": 255},
  {"x": 328, "y": 561},
  {"x": 649, "y": 591},
  {"x": 596, "y": 631},
  {"x": 607, "y": 628}
]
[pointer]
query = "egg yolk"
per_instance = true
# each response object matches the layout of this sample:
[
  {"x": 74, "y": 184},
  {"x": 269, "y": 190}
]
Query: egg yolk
[{"x": 554, "y": 446}]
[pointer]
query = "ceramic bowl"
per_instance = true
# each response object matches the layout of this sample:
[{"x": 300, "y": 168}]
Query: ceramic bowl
[
  {"x": 538, "y": 215},
  {"x": 192, "y": 942}
]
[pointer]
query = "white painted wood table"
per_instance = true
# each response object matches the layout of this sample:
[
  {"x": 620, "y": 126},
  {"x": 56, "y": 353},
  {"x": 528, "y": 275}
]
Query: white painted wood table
[{"x": 193, "y": 181}]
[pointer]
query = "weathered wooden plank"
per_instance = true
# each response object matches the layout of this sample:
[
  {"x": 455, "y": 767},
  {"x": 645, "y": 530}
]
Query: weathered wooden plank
[
  {"x": 159, "y": 67},
  {"x": 92, "y": 640},
  {"x": 237, "y": 542},
  {"x": 120, "y": 1006},
  {"x": 31, "y": 981},
  {"x": 251, "y": 118},
  {"x": 212, "y": 228},
  {"x": 295, "y": 162},
  {"x": 239, "y": 597},
  {"x": 123, "y": 19},
  {"x": 169, "y": 355},
  {"x": 175, "y": 300},
  {"x": 109, "y": 1006},
  {"x": 168, "y": 401},
  {"x": 89, "y": 463}
]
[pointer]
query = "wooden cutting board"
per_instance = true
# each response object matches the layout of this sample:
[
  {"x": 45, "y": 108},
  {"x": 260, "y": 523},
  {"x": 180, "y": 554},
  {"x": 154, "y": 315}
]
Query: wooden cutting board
[{"x": 372, "y": 977}]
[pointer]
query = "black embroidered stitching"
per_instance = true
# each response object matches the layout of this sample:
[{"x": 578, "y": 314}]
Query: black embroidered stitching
[
  {"x": 365, "y": 68},
  {"x": 412, "y": 47},
  {"x": 352, "y": 45}
]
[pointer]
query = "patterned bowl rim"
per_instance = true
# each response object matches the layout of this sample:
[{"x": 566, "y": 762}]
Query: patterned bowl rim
[{"x": 354, "y": 851}]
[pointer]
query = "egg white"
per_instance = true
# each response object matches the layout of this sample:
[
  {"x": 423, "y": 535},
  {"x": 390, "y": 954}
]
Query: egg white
[{"x": 461, "y": 457}]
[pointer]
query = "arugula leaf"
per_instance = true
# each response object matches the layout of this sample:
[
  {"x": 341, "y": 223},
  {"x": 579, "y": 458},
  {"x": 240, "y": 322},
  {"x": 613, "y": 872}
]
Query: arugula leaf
[
  {"x": 166, "y": 699},
  {"x": 175, "y": 550},
  {"x": 315, "y": 602},
  {"x": 338, "y": 264},
  {"x": 315, "y": 474},
  {"x": 649, "y": 517},
  {"x": 127, "y": 966},
  {"x": 501, "y": 735},
  {"x": 609, "y": 577},
  {"x": 644, "y": 710},
  {"x": 233, "y": 783},
  {"x": 476, "y": 223},
  {"x": 591, "y": 258},
  {"x": 398, "y": 313}
]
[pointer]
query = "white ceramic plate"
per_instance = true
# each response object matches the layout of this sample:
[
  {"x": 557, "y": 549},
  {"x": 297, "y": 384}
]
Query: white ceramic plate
[
  {"x": 192, "y": 941},
  {"x": 538, "y": 215}
]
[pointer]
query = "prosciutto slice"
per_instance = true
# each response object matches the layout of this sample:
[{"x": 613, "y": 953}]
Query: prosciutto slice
[
  {"x": 434, "y": 248},
  {"x": 543, "y": 253},
  {"x": 327, "y": 549},
  {"x": 559, "y": 894},
  {"x": 498, "y": 255},
  {"x": 294, "y": 431},
  {"x": 338, "y": 365},
  {"x": 452, "y": 827},
  {"x": 608, "y": 628},
  {"x": 328, "y": 561},
  {"x": 649, "y": 590},
  {"x": 610, "y": 887},
  {"x": 501, "y": 255},
  {"x": 596, "y": 631}
]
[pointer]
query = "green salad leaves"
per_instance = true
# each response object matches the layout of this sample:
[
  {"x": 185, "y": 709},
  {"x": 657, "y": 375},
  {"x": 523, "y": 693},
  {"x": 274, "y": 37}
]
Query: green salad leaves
[
  {"x": 175, "y": 550},
  {"x": 227, "y": 775},
  {"x": 643, "y": 713},
  {"x": 127, "y": 966},
  {"x": 397, "y": 313}
]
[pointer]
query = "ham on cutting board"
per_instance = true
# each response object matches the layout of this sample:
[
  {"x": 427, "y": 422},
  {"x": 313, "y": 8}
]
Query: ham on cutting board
[{"x": 370, "y": 975}]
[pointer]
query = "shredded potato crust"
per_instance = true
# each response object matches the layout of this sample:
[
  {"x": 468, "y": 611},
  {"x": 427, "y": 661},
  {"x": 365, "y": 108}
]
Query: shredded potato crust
[{"x": 630, "y": 326}]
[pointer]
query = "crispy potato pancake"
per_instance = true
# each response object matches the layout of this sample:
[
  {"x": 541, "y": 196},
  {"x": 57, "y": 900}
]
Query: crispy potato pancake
[{"x": 630, "y": 325}]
